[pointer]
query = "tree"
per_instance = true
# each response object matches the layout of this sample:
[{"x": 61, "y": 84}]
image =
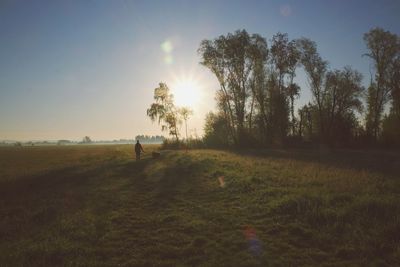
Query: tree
[
  {"x": 185, "y": 112},
  {"x": 343, "y": 91},
  {"x": 315, "y": 68},
  {"x": 391, "y": 129},
  {"x": 258, "y": 87},
  {"x": 86, "y": 140},
  {"x": 278, "y": 111},
  {"x": 293, "y": 91},
  {"x": 285, "y": 57},
  {"x": 279, "y": 56},
  {"x": 164, "y": 110},
  {"x": 216, "y": 130},
  {"x": 384, "y": 50},
  {"x": 256, "y": 100},
  {"x": 391, "y": 122},
  {"x": 284, "y": 60},
  {"x": 231, "y": 59},
  {"x": 394, "y": 71},
  {"x": 305, "y": 121}
]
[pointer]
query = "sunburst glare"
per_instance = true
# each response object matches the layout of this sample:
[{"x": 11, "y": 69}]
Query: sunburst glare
[{"x": 186, "y": 91}]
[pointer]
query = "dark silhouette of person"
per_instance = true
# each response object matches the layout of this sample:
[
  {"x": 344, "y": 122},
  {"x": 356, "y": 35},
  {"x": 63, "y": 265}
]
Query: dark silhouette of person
[{"x": 138, "y": 149}]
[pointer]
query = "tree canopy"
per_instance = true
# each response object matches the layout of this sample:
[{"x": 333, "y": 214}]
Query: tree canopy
[{"x": 257, "y": 91}]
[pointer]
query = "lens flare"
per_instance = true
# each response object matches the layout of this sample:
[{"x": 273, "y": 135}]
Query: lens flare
[
  {"x": 286, "y": 10},
  {"x": 254, "y": 244},
  {"x": 221, "y": 181},
  {"x": 167, "y": 48},
  {"x": 168, "y": 59}
]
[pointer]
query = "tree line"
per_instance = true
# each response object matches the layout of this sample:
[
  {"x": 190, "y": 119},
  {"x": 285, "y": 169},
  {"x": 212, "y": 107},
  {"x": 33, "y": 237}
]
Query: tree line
[
  {"x": 257, "y": 92},
  {"x": 149, "y": 139}
]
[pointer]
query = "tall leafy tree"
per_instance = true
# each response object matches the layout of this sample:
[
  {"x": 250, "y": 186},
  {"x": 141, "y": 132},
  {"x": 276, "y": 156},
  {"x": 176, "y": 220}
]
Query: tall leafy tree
[
  {"x": 231, "y": 59},
  {"x": 293, "y": 89},
  {"x": 343, "y": 91},
  {"x": 164, "y": 111},
  {"x": 279, "y": 57},
  {"x": 315, "y": 68},
  {"x": 258, "y": 91},
  {"x": 383, "y": 49},
  {"x": 259, "y": 84},
  {"x": 280, "y": 61},
  {"x": 285, "y": 57}
]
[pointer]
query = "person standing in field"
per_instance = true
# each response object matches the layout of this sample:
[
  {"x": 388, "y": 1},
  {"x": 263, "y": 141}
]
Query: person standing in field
[{"x": 138, "y": 150}]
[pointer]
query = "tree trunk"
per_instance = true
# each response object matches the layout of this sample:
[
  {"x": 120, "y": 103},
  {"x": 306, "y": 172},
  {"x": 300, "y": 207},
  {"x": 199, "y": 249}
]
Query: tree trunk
[
  {"x": 251, "y": 114},
  {"x": 186, "y": 130},
  {"x": 292, "y": 113}
]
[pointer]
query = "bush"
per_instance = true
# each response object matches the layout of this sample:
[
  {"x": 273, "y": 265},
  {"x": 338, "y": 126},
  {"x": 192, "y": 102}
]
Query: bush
[
  {"x": 216, "y": 132},
  {"x": 190, "y": 143}
]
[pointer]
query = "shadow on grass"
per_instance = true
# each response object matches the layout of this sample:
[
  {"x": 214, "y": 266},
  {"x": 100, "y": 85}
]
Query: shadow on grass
[
  {"x": 133, "y": 170},
  {"x": 30, "y": 203},
  {"x": 176, "y": 178},
  {"x": 46, "y": 218}
]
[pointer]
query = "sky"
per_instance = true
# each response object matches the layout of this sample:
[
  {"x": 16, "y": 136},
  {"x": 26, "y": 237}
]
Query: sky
[{"x": 74, "y": 68}]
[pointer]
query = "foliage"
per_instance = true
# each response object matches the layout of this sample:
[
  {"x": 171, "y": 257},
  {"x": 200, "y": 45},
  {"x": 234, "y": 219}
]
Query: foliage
[
  {"x": 185, "y": 113},
  {"x": 166, "y": 113},
  {"x": 285, "y": 58},
  {"x": 164, "y": 110},
  {"x": 315, "y": 68},
  {"x": 306, "y": 122},
  {"x": 343, "y": 91},
  {"x": 384, "y": 51},
  {"x": 256, "y": 98},
  {"x": 190, "y": 143},
  {"x": 150, "y": 139},
  {"x": 216, "y": 131},
  {"x": 86, "y": 140},
  {"x": 391, "y": 130},
  {"x": 231, "y": 59}
]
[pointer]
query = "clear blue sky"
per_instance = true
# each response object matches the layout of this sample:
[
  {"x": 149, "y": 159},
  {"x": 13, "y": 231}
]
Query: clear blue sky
[{"x": 75, "y": 68}]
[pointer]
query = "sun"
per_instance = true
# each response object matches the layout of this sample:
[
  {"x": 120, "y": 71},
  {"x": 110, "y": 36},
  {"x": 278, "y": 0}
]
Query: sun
[{"x": 187, "y": 92}]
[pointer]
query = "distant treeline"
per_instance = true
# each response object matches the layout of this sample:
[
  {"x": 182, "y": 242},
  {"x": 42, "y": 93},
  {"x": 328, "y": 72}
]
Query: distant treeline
[
  {"x": 145, "y": 139},
  {"x": 157, "y": 139},
  {"x": 257, "y": 94}
]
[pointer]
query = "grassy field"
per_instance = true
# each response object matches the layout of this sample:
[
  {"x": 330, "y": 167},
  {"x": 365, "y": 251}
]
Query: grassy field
[{"x": 96, "y": 206}]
